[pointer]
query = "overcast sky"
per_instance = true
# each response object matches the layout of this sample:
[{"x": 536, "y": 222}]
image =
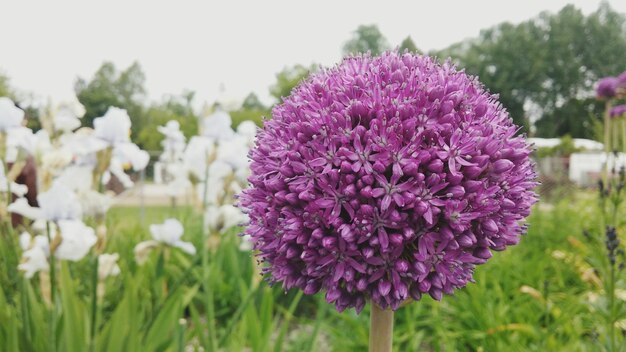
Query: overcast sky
[{"x": 201, "y": 45}]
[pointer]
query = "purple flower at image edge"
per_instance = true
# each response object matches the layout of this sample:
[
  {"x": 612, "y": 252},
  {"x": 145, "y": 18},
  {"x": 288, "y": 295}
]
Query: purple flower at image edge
[
  {"x": 386, "y": 178},
  {"x": 618, "y": 111},
  {"x": 607, "y": 87}
]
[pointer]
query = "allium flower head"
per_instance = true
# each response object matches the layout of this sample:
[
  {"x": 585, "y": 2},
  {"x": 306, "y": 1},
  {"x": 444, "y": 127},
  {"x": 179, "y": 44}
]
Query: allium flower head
[
  {"x": 384, "y": 179},
  {"x": 618, "y": 111},
  {"x": 607, "y": 87}
]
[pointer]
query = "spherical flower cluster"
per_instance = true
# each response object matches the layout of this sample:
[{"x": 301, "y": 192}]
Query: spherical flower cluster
[
  {"x": 606, "y": 88},
  {"x": 611, "y": 87},
  {"x": 384, "y": 179},
  {"x": 618, "y": 111}
]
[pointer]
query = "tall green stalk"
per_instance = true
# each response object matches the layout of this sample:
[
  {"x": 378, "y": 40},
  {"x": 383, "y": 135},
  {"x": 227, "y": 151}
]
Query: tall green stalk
[
  {"x": 94, "y": 304},
  {"x": 5, "y": 168},
  {"x": 208, "y": 299},
  {"x": 612, "y": 307},
  {"x": 53, "y": 280},
  {"x": 607, "y": 140},
  {"x": 381, "y": 329}
]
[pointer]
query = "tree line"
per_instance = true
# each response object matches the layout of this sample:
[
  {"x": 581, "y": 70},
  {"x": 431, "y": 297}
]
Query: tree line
[{"x": 543, "y": 70}]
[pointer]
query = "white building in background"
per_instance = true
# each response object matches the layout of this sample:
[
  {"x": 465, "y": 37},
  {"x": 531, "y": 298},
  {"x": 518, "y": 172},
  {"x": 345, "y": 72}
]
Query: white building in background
[
  {"x": 581, "y": 143},
  {"x": 585, "y": 169}
]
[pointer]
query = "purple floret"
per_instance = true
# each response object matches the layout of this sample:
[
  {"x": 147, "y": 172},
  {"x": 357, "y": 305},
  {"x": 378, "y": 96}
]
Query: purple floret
[{"x": 384, "y": 179}]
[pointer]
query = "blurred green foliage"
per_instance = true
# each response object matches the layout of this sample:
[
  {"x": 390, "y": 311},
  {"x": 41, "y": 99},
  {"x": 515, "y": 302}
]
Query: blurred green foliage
[
  {"x": 366, "y": 38},
  {"x": 251, "y": 109},
  {"x": 537, "y": 296},
  {"x": 547, "y": 67},
  {"x": 289, "y": 78},
  {"x": 409, "y": 45},
  {"x": 110, "y": 87},
  {"x": 254, "y": 115},
  {"x": 173, "y": 108},
  {"x": 212, "y": 301},
  {"x": 5, "y": 89}
]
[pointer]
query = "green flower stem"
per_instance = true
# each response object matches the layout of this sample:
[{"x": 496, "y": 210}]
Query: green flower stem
[
  {"x": 209, "y": 299},
  {"x": 607, "y": 140},
  {"x": 53, "y": 285},
  {"x": 182, "y": 323},
  {"x": 381, "y": 329},
  {"x": 5, "y": 167},
  {"x": 205, "y": 194},
  {"x": 94, "y": 304},
  {"x": 612, "y": 344},
  {"x": 623, "y": 134}
]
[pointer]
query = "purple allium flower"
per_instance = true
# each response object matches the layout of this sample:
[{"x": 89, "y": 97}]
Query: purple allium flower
[
  {"x": 384, "y": 179},
  {"x": 607, "y": 87},
  {"x": 618, "y": 111}
]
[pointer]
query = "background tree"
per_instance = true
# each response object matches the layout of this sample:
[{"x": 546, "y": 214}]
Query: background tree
[
  {"x": 179, "y": 108},
  {"x": 30, "y": 111},
  {"x": 288, "y": 78},
  {"x": 251, "y": 109},
  {"x": 108, "y": 87},
  {"x": 252, "y": 102},
  {"x": 5, "y": 89},
  {"x": 366, "y": 38},
  {"x": 545, "y": 68},
  {"x": 409, "y": 45}
]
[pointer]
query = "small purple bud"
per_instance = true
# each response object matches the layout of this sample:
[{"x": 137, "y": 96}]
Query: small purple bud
[
  {"x": 361, "y": 284},
  {"x": 366, "y": 192},
  {"x": 401, "y": 266},
  {"x": 480, "y": 109},
  {"x": 312, "y": 287},
  {"x": 436, "y": 294},
  {"x": 502, "y": 165},
  {"x": 396, "y": 240},
  {"x": 435, "y": 166},
  {"x": 490, "y": 225},
  {"x": 455, "y": 191},
  {"x": 345, "y": 167},
  {"x": 424, "y": 285},
  {"x": 384, "y": 287},
  {"x": 329, "y": 242},
  {"x": 332, "y": 294},
  {"x": 415, "y": 293},
  {"x": 482, "y": 253},
  {"x": 435, "y": 93},
  {"x": 379, "y": 167}
]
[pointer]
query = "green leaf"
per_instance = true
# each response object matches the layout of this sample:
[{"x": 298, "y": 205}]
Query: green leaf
[
  {"x": 162, "y": 330},
  {"x": 75, "y": 317}
]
